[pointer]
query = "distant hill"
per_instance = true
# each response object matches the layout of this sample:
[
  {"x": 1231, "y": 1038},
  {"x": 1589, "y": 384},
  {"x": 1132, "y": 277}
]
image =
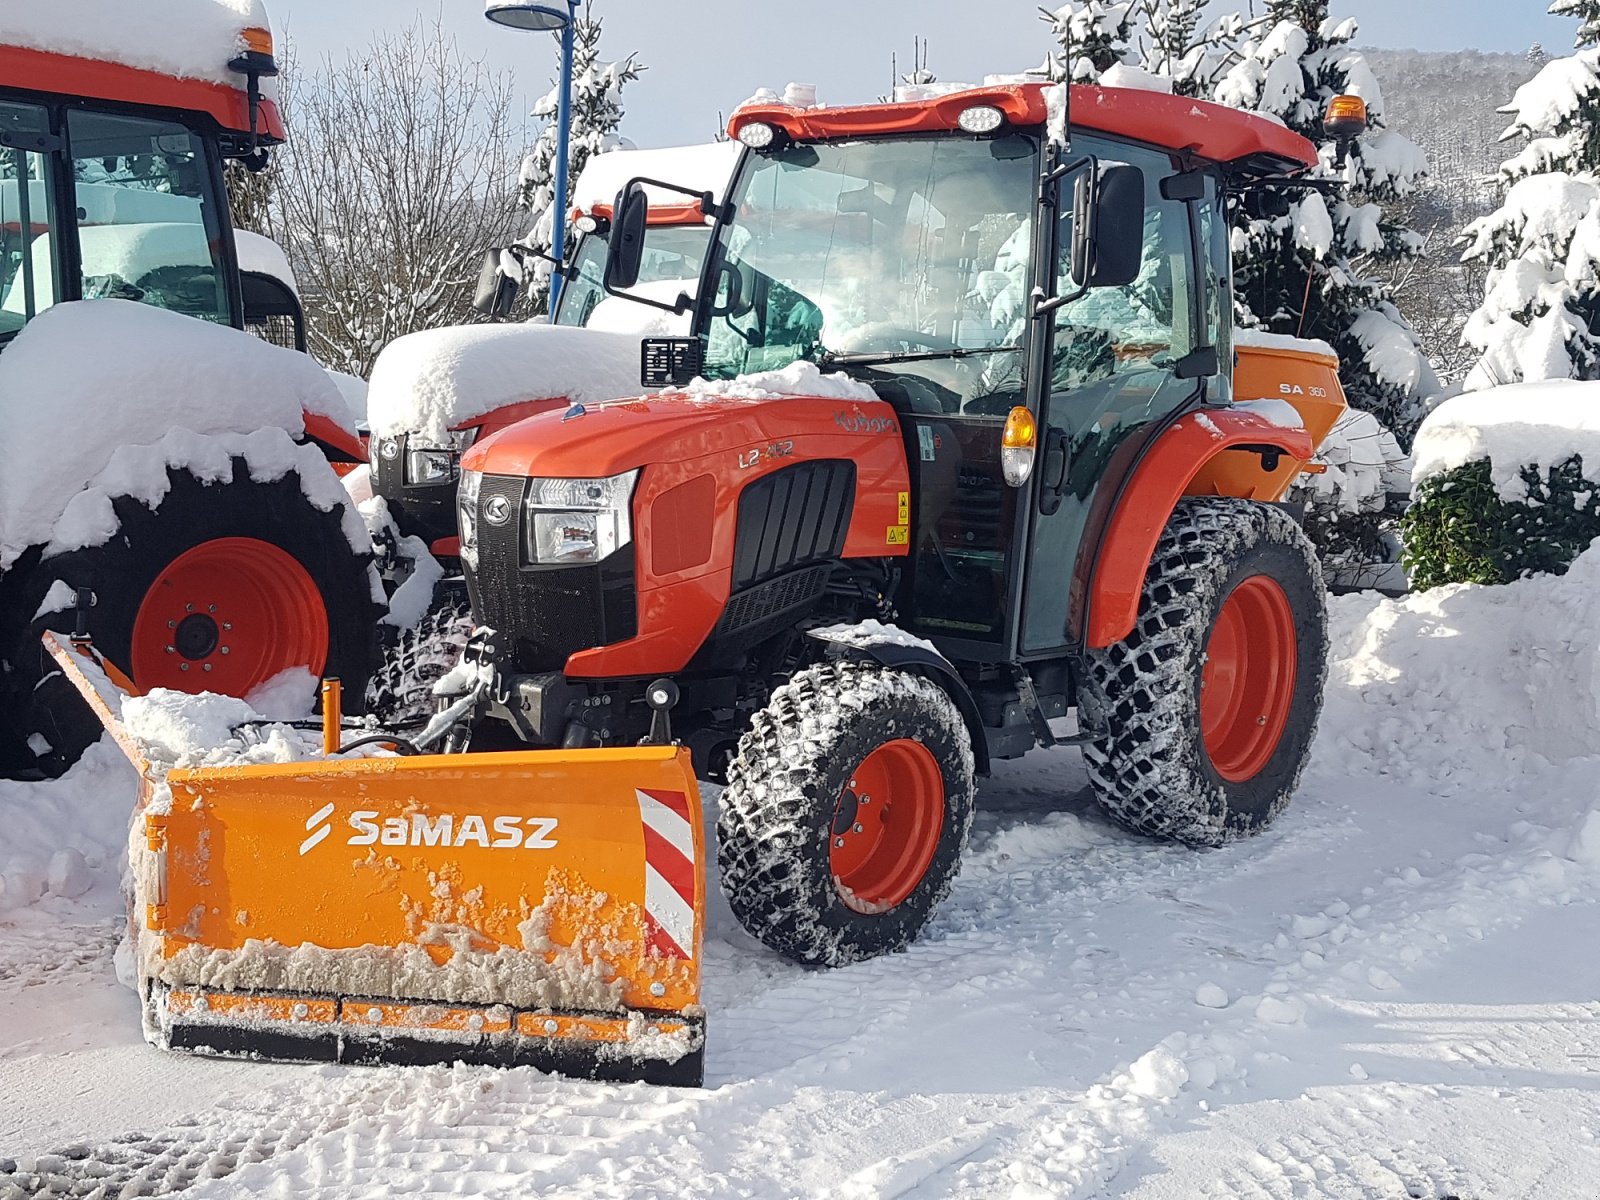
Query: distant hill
[{"x": 1446, "y": 102}]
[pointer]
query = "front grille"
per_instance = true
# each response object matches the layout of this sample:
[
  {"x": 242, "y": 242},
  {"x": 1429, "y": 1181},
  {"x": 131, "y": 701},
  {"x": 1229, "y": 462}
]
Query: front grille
[
  {"x": 544, "y": 615},
  {"x": 774, "y": 599}
]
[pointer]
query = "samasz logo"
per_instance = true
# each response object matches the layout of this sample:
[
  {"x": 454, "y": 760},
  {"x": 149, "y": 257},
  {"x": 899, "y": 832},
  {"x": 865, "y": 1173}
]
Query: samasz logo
[{"x": 448, "y": 831}]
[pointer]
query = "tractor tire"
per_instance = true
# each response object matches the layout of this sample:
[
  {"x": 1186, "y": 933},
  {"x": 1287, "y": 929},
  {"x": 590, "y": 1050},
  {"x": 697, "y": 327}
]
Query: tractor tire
[
  {"x": 401, "y": 691},
  {"x": 814, "y": 864},
  {"x": 1205, "y": 713},
  {"x": 237, "y": 582}
]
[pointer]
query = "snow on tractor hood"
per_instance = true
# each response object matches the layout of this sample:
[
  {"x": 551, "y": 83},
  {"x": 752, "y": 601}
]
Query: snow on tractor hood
[
  {"x": 189, "y": 39},
  {"x": 86, "y": 379},
  {"x": 705, "y": 418},
  {"x": 431, "y": 382}
]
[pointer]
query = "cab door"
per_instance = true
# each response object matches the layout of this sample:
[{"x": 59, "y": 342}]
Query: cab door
[{"x": 1114, "y": 384}]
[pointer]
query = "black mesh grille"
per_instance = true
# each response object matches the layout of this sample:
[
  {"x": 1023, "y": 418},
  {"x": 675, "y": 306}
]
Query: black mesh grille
[
  {"x": 544, "y": 615},
  {"x": 775, "y": 598},
  {"x": 792, "y": 517}
]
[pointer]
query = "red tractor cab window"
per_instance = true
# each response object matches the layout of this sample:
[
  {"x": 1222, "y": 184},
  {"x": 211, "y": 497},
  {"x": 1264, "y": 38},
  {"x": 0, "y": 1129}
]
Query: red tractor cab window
[
  {"x": 29, "y": 233},
  {"x": 150, "y": 226}
]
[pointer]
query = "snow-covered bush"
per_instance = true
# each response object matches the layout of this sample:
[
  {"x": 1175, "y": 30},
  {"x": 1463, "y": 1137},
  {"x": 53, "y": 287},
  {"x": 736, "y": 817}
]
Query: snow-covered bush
[
  {"x": 1093, "y": 36},
  {"x": 1540, "y": 316},
  {"x": 596, "y": 116},
  {"x": 1507, "y": 484},
  {"x": 1351, "y": 509},
  {"x": 1303, "y": 273}
]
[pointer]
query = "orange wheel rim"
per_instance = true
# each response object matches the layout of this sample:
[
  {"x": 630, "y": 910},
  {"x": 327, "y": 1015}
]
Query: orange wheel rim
[
  {"x": 1247, "y": 684},
  {"x": 227, "y": 616},
  {"x": 886, "y": 826}
]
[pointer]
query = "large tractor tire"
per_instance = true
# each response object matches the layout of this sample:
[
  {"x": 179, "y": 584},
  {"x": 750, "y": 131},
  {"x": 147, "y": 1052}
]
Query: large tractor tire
[
  {"x": 401, "y": 690},
  {"x": 1206, "y": 712},
  {"x": 220, "y": 588},
  {"x": 846, "y": 813}
]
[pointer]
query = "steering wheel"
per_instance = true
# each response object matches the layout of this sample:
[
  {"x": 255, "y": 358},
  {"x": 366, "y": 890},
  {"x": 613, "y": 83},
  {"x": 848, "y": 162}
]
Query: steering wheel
[{"x": 867, "y": 338}]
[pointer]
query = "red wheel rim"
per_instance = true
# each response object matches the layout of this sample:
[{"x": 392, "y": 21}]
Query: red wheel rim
[
  {"x": 886, "y": 826},
  {"x": 1247, "y": 684},
  {"x": 226, "y": 617}
]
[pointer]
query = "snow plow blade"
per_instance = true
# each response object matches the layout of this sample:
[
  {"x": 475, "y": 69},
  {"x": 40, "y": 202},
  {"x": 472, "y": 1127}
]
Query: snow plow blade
[{"x": 540, "y": 908}]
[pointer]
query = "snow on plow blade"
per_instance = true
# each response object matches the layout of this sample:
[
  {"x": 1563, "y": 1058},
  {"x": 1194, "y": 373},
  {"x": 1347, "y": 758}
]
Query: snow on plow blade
[{"x": 538, "y": 908}]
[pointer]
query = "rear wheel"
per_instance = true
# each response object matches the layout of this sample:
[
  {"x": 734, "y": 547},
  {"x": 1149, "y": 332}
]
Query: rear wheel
[
  {"x": 847, "y": 808},
  {"x": 1206, "y": 712},
  {"x": 222, "y": 587}
]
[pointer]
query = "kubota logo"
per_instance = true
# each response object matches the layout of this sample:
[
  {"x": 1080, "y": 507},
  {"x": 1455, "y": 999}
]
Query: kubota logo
[
  {"x": 419, "y": 829},
  {"x": 497, "y": 511}
]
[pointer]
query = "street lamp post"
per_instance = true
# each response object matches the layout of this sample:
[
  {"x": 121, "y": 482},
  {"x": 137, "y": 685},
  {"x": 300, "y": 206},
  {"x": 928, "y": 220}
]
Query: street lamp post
[{"x": 549, "y": 16}]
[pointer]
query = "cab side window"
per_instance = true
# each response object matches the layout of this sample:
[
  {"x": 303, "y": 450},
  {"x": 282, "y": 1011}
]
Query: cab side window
[
  {"x": 148, "y": 225},
  {"x": 29, "y": 231},
  {"x": 1149, "y": 324}
]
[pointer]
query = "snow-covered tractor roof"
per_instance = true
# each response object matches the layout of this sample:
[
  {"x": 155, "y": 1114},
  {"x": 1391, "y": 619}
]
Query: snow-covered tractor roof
[
  {"x": 166, "y": 53},
  {"x": 707, "y": 167},
  {"x": 1210, "y": 131}
]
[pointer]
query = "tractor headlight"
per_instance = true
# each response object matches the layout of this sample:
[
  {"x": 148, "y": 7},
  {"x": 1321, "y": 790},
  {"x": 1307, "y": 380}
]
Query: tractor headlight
[
  {"x": 570, "y": 521},
  {"x": 467, "y": 516},
  {"x": 428, "y": 465}
]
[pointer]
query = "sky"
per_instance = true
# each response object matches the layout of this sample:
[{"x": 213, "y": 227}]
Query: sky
[{"x": 705, "y": 56}]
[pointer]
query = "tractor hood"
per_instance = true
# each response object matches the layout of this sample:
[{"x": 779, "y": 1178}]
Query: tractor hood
[{"x": 598, "y": 440}]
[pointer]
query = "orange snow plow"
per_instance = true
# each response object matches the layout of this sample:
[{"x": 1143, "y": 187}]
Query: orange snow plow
[{"x": 539, "y": 908}]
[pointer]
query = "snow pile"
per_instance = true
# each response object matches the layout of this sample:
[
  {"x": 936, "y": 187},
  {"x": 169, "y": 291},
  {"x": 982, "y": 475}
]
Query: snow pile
[
  {"x": 1537, "y": 425},
  {"x": 706, "y": 168},
  {"x": 1261, "y": 339},
  {"x": 431, "y": 382},
  {"x": 63, "y": 836},
  {"x": 800, "y": 379},
  {"x": 1365, "y": 464},
  {"x": 106, "y": 394},
  {"x": 193, "y": 39},
  {"x": 262, "y": 256},
  {"x": 1463, "y": 684}
]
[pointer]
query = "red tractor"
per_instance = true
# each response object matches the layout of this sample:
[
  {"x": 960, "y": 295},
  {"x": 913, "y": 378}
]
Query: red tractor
[
  {"x": 998, "y": 468},
  {"x": 236, "y": 557}
]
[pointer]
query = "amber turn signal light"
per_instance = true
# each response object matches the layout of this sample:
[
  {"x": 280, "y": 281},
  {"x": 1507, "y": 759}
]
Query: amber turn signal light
[{"x": 1018, "y": 445}]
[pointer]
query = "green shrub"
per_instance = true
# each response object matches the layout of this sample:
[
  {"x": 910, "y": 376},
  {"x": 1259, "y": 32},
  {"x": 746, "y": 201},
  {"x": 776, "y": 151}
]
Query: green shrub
[{"x": 1459, "y": 530}]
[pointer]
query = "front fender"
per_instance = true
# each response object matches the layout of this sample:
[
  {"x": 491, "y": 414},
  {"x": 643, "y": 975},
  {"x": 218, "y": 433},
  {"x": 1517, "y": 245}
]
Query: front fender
[{"x": 898, "y": 651}]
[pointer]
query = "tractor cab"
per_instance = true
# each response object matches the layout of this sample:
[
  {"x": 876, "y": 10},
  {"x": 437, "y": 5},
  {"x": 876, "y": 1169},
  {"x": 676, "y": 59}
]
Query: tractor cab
[
  {"x": 1037, "y": 310},
  {"x": 674, "y": 252},
  {"x": 112, "y": 185}
]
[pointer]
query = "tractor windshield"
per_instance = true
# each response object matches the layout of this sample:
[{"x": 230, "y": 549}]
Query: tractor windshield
[{"x": 872, "y": 254}]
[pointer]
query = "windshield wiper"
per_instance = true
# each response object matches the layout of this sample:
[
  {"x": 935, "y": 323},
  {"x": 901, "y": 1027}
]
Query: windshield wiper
[{"x": 830, "y": 359}]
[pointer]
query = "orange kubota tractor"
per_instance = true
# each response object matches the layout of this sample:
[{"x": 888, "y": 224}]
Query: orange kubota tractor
[
  {"x": 996, "y": 463},
  {"x": 220, "y": 576}
]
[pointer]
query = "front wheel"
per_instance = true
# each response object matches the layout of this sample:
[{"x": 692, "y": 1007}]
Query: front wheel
[
  {"x": 1206, "y": 712},
  {"x": 846, "y": 812}
]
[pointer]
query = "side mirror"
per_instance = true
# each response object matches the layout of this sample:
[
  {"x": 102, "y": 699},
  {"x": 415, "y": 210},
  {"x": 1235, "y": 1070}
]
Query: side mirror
[
  {"x": 1108, "y": 248},
  {"x": 497, "y": 291},
  {"x": 629, "y": 222}
]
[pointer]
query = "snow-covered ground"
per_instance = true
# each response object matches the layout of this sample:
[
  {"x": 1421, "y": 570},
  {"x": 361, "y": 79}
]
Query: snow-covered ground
[{"x": 1392, "y": 993}]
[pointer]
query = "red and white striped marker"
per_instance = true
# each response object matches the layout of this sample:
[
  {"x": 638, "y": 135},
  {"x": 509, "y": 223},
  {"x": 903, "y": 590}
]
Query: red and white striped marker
[{"x": 669, "y": 872}]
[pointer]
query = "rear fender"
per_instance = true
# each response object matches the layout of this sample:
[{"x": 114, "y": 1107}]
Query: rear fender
[
  {"x": 891, "y": 650},
  {"x": 1187, "y": 452}
]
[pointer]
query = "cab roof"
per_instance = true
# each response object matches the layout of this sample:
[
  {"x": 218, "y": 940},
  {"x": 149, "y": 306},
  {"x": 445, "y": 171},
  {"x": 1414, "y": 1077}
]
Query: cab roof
[
  {"x": 160, "y": 53},
  {"x": 1209, "y": 131}
]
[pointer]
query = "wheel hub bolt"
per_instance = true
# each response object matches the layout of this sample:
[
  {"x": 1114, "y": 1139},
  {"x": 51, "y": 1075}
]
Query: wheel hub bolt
[
  {"x": 839, "y": 842},
  {"x": 183, "y": 666},
  {"x": 224, "y": 650},
  {"x": 172, "y": 624},
  {"x": 658, "y": 989},
  {"x": 855, "y": 829},
  {"x": 207, "y": 667},
  {"x": 172, "y": 649}
]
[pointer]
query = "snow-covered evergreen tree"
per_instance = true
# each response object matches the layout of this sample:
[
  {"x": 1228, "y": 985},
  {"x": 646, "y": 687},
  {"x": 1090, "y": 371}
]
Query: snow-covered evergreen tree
[
  {"x": 1180, "y": 44},
  {"x": 1301, "y": 274},
  {"x": 596, "y": 115},
  {"x": 1540, "y": 317},
  {"x": 1093, "y": 36}
]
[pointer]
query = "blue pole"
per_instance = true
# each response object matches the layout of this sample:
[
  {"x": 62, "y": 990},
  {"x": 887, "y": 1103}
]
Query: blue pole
[{"x": 564, "y": 127}]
